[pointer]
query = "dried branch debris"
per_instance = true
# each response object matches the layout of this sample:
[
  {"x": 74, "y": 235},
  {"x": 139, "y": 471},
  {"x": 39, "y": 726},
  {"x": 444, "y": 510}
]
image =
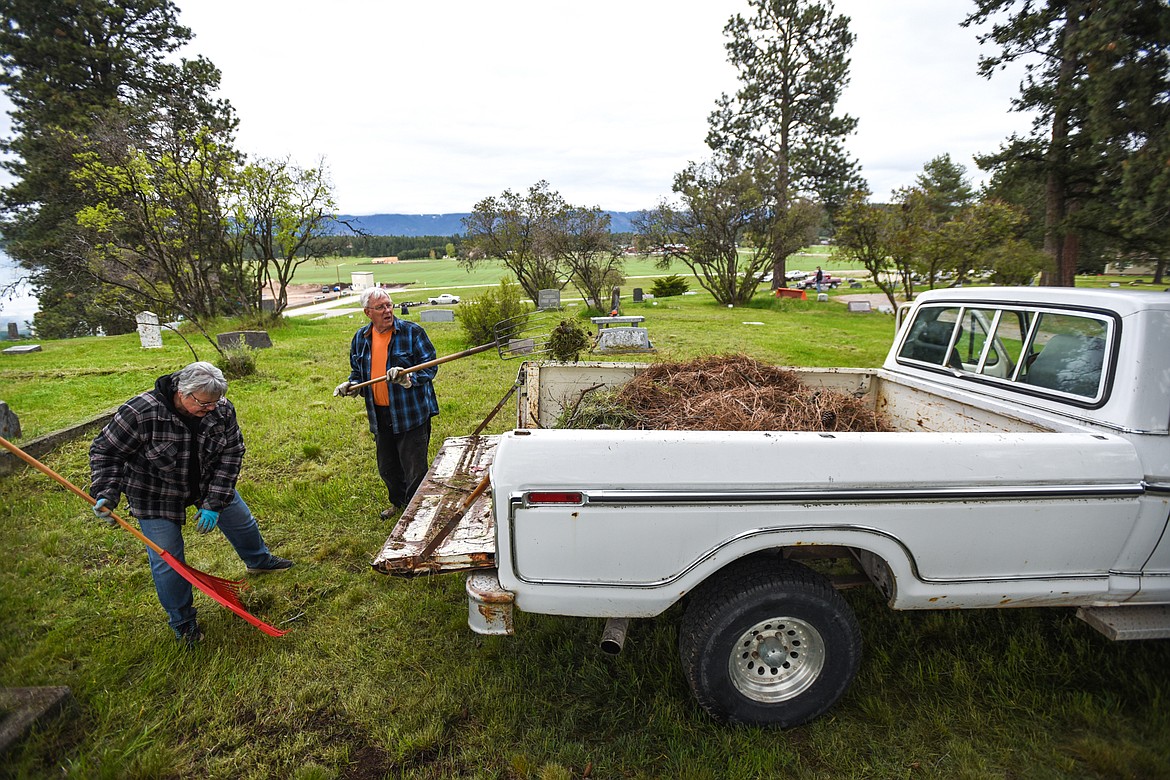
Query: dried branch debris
[{"x": 723, "y": 393}]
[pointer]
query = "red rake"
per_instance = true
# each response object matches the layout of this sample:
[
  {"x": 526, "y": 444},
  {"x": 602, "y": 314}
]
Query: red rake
[{"x": 225, "y": 592}]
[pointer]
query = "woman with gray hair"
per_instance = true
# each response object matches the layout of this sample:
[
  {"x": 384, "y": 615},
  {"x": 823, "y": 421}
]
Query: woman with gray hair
[{"x": 175, "y": 446}]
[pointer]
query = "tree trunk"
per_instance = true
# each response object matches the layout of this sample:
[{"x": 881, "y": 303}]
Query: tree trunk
[{"x": 1056, "y": 238}]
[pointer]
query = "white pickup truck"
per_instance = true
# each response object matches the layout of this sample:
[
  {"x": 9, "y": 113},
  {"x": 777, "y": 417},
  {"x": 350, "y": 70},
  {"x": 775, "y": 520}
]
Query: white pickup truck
[{"x": 1029, "y": 465}]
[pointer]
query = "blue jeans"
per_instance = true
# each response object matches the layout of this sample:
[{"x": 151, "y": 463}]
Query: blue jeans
[{"x": 174, "y": 592}]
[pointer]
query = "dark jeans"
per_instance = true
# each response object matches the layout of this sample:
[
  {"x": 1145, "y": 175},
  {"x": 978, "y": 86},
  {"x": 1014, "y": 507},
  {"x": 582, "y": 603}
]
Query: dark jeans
[
  {"x": 402, "y": 457},
  {"x": 174, "y": 592}
]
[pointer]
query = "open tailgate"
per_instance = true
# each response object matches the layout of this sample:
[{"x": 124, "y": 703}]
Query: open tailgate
[{"x": 461, "y": 464}]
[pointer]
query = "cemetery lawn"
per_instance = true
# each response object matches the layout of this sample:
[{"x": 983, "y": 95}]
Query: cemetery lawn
[{"x": 380, "y": 677}]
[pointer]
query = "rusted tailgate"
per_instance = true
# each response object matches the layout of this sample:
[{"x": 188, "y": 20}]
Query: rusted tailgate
[{"x": 461, "y": 464}]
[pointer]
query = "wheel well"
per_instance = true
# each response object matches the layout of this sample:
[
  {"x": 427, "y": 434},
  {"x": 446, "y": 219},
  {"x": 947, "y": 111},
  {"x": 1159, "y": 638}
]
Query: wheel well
[{"x": 844, "y": 567}]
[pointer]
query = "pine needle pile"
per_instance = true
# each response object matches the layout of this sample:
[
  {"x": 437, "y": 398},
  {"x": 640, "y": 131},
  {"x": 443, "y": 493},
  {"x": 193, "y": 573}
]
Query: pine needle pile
[
  {"x": 722, "y": 393},
  {"x": 567, "y": 341}
]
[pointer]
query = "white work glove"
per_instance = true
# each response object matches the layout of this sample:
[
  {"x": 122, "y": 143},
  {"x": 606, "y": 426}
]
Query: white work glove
[
  {"x": 398, "y": 376},
  {"x": 345, "y": 388}
]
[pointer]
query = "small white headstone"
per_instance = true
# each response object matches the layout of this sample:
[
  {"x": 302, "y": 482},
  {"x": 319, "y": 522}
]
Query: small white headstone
[{"x": 149, "y": 332}]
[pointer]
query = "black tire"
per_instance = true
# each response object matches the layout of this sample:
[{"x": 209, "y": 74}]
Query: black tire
[{"x": 768, "y": 609}]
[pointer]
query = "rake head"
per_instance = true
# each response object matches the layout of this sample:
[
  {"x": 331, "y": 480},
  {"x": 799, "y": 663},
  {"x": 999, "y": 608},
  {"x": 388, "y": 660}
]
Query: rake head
[{"x": 526, "y": 334}]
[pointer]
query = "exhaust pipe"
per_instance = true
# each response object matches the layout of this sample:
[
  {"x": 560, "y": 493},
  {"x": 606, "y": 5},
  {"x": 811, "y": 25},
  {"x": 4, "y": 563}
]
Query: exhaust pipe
[{"x": 614, "y": 635}]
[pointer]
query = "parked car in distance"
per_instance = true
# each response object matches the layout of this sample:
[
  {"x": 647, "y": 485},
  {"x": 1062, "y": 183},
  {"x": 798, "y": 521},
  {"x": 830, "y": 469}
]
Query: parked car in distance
[
  {"x": 444, "y": 299},
  {"x": 795, "y": 275},
  {"x": 828, "y": 282}
]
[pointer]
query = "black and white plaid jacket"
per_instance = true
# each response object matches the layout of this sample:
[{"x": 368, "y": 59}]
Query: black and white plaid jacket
[{"x": 145, "y": 452}]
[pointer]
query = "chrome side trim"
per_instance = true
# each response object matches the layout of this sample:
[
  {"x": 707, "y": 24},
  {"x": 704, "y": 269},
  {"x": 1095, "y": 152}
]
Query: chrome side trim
[{"x": 885, "y": 495}]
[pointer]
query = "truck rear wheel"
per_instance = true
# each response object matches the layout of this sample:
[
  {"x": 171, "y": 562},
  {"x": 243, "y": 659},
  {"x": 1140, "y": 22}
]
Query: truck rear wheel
[{"x": 768, "y": 642}]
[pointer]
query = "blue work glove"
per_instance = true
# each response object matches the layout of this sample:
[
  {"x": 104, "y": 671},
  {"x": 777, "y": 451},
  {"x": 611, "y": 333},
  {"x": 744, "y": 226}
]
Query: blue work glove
[
  {"x": 103, "y": 510},
  {"x": 205, "y": 520}
]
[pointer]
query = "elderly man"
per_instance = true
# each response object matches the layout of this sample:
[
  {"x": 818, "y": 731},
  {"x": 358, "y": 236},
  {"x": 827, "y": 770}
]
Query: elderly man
[
  {"x": 169, "y": 448},
  {"x": 399, "y": 409}
]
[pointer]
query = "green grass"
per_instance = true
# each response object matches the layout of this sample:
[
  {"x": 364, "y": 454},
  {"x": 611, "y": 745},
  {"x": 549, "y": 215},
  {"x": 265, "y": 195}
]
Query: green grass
[{"x": 380, "y": 677}]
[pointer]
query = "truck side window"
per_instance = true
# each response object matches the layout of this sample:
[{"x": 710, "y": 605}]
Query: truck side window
[
  {"x": 1067, "y": 354},
  {"x": 929, "y": 339},
  {"x": 975, "y": 339}
]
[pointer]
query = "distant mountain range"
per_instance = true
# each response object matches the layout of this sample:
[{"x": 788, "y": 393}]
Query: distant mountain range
[{"x": 439, "y": 224}]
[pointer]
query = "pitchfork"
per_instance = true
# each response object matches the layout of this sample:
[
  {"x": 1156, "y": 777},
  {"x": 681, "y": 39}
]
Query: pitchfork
[{"x": 519, "y": 336}]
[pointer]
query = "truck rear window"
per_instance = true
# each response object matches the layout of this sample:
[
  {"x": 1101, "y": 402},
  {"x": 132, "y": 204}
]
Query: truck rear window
[{"x": 1051, "y": 352}]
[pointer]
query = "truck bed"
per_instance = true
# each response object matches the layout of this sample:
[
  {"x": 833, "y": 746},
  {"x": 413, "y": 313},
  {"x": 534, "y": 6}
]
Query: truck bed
[{"x": 548, "y": 389}]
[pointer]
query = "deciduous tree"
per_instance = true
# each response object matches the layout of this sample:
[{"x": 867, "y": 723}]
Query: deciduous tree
[
  {"x": 280, "y": 210},
  {"x": 513, "y": 228},
  {"x": 721, "y": 204},
  {"x": 581, "y": 239}
]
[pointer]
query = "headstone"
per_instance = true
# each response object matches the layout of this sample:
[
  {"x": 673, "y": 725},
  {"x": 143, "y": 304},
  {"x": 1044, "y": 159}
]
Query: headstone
[
  {"x": 615, "y": 300},
  {"x": 548, "y": 299},
  {"x": 23, "y": 349},
  {"x": 256, "y": 339},
  {"x": 623, "y": 339},
  {"x": 13, "y": 331},
  {"x": 149, "y": 332},
  {"x": 822, "y": 297},
  {"x": 9, "y": 422},
  {"x": 404, "y": 310},
  {"x": 437, "y": 315},
  {"x": 521, "y": 346},
  {"x": 860, "y": 306},
  {"x": 637, "y": 295}
]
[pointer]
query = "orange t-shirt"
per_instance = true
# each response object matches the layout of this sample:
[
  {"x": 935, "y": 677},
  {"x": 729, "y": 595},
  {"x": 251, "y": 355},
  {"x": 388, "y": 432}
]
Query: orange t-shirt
[{"x": 379, "y": 349}]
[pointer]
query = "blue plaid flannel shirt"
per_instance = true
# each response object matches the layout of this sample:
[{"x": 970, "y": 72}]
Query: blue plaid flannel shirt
[{"x": 410, "y": 346}]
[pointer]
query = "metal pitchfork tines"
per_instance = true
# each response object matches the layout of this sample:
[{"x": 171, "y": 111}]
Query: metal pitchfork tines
[
  {"x": 526, "y": 334},
  {"x": 515, "y": 337}
]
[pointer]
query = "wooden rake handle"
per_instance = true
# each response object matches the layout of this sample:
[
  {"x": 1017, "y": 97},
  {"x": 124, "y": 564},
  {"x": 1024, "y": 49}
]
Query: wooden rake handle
[
  {"x": 30, "y": 460},
  {"x": 429, "y": 364}
]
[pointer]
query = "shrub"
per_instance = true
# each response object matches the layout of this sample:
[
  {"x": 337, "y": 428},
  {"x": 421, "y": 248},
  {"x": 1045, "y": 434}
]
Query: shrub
[
  {"x": 237, "y": 362},
  {"x": 479, "y": 315},
  {"x": 669, "y": 285}
]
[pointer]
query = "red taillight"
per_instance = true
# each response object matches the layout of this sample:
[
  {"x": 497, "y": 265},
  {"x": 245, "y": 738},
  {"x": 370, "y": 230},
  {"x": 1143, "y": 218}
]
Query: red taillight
[{"x": 555, "y": 497}]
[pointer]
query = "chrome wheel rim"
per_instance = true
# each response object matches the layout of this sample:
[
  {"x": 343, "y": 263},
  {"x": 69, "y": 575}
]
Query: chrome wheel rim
[{"x": 776, "y": 659}]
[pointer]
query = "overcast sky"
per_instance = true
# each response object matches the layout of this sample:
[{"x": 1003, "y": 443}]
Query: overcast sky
[{"x": 429, "y": 107}]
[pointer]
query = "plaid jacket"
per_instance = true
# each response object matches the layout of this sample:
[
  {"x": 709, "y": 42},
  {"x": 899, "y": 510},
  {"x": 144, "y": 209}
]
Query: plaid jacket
[
  {"x": 145, "y": 452},
  {"x": 409, "y": 407}
]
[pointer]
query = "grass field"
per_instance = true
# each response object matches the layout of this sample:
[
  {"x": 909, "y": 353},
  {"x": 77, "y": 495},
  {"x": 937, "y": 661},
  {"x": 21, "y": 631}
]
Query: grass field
[
  {"x": 380, "y": 677},
  {"x": 448, "y": 275}
]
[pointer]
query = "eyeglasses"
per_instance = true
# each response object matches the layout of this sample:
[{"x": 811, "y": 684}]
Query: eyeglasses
[
  {"x": 205, "y": 404},
  {"x": 383, "y": 307}
]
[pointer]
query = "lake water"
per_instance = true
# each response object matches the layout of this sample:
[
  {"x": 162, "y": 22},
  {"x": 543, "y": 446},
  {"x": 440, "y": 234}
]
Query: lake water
[{"x": 20, "y": 306}]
